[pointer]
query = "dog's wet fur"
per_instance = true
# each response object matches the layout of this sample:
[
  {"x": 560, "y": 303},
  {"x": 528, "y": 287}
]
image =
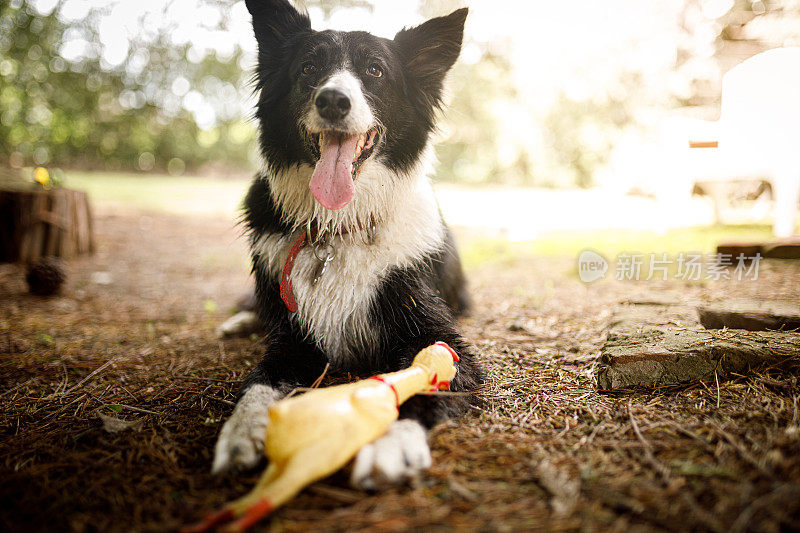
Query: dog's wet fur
[{"x": 396, "y": 283}]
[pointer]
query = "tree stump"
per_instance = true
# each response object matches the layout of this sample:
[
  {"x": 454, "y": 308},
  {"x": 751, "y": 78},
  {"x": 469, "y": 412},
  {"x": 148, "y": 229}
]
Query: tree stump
[{"x": 36, "y": 223}]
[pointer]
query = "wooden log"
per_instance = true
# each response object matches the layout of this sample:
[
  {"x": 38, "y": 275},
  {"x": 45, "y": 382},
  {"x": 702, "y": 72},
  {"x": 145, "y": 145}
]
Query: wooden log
[
  {"x": 52, "y": 232},
  {"x": 87, "y": 209},
  {"x": 36, "y": 223},
  {"x": 37, "y": 230}
]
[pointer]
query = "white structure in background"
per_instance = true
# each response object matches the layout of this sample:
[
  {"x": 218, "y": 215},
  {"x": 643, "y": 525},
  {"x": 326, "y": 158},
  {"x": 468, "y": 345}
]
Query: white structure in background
[
  {"x": 757, "y": 138},
  {"x": 758, "y": 133}
]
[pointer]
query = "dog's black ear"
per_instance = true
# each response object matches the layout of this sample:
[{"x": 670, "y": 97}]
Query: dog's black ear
[
  {"x": 275, "y": 24},
  {"x": 276, "y": 20},
  {"x": 429, "y": 50}
]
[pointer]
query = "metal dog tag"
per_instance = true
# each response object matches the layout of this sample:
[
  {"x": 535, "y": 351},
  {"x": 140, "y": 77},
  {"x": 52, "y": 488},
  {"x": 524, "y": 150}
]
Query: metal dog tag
[{"x": 325, "y": 253}]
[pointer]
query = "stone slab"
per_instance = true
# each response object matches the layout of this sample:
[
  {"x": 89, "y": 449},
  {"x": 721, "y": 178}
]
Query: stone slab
[
  {"x": 748, "y": 249},
  {"x": 672, "y": 356},
  {"x": 786, "y": 249},
  {"x": 658, "y": 344},
  {"x": 751, "y": 315}
]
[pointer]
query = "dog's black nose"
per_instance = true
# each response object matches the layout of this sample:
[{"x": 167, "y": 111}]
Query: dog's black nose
[{"x": 332, "y": 104}]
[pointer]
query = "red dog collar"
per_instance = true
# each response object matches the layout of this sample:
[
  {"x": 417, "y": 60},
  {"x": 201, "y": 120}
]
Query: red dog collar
[
  {"x": 286, "y": 276},
  {"x": 307, "y": 236}
]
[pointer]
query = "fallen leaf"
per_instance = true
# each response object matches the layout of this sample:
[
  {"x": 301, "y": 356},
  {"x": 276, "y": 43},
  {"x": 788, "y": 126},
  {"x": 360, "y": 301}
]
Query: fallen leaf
[
  {"x": 563, "y": 488},
  {"x": 115, "y": 425}
]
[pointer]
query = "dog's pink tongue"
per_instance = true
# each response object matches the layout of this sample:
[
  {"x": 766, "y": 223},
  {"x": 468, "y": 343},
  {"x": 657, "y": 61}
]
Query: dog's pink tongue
[{"x": 332, "y": 181}]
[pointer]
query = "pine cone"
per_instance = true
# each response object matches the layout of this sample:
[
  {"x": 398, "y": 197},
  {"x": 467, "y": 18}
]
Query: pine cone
[{"x": 46, "y": 276}]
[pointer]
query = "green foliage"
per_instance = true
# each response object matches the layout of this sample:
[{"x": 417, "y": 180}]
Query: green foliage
[
  {"x": 168, "y": 107},
  {"x": 582, "y": 135},
  {"x": 206, "y": 196},
  {"x": 82, "y": 112},
  {"x": 473, "y": 135},
  {"x": 490, "y": 136},
  {"x": 481, "y": 251}
]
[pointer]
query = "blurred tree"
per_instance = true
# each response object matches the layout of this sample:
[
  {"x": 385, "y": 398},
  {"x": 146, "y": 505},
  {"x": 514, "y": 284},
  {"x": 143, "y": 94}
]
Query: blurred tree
[
  {"x": 80, "y": 111},
  {"x": 165, "y": 106},
  {"x": 582, "y": 135},
  {"x": 474, "y": 147},
  {"x": 169, "y": 104}
]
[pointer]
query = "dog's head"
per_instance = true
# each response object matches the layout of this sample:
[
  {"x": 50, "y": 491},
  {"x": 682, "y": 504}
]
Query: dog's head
[{"x": 338, "y": 103}]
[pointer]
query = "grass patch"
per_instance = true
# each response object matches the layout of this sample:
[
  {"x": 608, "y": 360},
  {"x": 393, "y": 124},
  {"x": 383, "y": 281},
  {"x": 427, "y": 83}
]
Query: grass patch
[
  {"x": 482, "y": 250},
  {"x": 222, "y": 197},
  {"x": 154, "y": 192}
]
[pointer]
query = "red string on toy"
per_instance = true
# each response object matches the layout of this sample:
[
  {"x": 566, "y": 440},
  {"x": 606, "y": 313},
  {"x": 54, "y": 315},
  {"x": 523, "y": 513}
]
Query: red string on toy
[{"x": 391, "y": 386}]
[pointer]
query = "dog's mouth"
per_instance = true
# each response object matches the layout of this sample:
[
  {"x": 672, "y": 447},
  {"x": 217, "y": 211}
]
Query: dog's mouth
[{"x": 339, "y": 159}]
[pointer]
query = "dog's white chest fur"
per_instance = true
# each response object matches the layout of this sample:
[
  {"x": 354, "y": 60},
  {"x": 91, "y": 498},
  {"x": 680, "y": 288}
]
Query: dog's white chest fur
[{"x": 334, "y": 311}]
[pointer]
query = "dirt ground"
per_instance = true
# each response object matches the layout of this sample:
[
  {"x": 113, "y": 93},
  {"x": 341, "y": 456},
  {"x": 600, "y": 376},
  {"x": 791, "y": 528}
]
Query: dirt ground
[{"x": 132, "y": 337}]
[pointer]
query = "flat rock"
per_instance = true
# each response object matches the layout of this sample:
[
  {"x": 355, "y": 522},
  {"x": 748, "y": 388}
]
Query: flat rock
[
  {"x": 748, "y": 249},
  {"x": 751, "y": 315},
  {"x": 652, "y": 315},
  {"x": 785, "y": 249},
  {"x": 656, "y": 344},
  {"x": 672, "y": 356}
]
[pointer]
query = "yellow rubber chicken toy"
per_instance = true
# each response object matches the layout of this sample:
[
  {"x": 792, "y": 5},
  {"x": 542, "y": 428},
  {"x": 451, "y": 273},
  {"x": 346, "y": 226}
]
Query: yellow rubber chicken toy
[{"x": 311, "y": 436}]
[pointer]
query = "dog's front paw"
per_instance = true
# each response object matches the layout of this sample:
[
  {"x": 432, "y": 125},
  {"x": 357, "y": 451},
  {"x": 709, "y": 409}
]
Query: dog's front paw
[
  {"x": 397, "y": 457},
  {"x": 241, "y": 324},
  {"x": 241, "y": 442}
]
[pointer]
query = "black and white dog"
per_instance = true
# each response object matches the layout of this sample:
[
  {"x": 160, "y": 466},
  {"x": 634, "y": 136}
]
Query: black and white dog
[{"x": 354, "y": 266}]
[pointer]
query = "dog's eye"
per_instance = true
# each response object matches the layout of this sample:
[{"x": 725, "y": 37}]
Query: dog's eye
[
  {"x": 375, "y": 71},
  {"x": 309, "y": 68}
]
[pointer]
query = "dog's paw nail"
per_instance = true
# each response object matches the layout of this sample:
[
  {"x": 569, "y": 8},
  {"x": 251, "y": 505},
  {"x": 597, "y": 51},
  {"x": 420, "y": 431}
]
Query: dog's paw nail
[
  {"x": 233, "y": 453},
  {"x": 221, "y": 464},
  {"x": 397, "y": 457},
  {"x": 241, "y": 442}
]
